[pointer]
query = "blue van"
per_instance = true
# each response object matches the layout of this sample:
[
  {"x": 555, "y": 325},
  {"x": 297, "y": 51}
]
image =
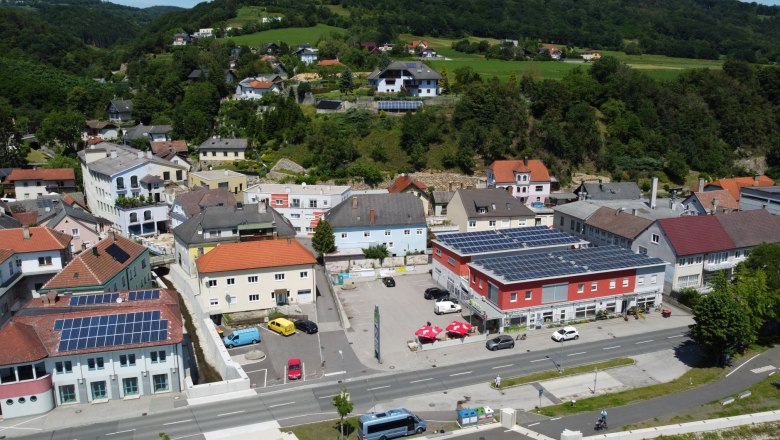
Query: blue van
[{"x": 243, "y": 336}]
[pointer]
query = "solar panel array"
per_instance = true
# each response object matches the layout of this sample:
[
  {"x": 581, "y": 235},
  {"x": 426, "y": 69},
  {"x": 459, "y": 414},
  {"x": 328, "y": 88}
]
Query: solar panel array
[
  {"x": 398, "y": 105},
  {"x": 141, "y": 295},
  {"x": 505, "y": 239},
  {"x": 111, "y": 330},
  {"x": 562, "y": 263},
  {"x": 88, "y": 300}
]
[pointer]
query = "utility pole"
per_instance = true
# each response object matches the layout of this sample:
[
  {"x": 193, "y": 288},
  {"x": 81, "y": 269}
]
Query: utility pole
[{"x": 595, "y": 378}]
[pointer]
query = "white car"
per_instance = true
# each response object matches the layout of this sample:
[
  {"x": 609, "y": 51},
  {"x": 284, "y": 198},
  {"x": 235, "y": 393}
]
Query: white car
[
  {"x": 442, "y": 307},
  {"x": 565, "y": 334}
]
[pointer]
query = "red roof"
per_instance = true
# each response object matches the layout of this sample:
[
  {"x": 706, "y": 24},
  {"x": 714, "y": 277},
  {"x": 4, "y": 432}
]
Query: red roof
[
  {"x": 267, "y": 57},
  {"x": 26, "y": 218},
  {"x": 402, "y": 182},
  {"x": 94, "y": 140},
  {"x": 698, "y": 234},
  {"x": 20, "y": 344},
  {"x": 254, "y": 255},
  {"x": 504, "y": 170},
  {"x": 329, "y": 63},
  {"x": 165, "y": 146},
  {"x": 255, "y": 84},
  {"x": 41, "y": 239},
  {"x": 5, "y": 254},
  {"x": 42, "y": 174},
  {"x": 88, "y": 269},
  {"x": 725, "y": 201},
  {"x": 734, "y": 184}
]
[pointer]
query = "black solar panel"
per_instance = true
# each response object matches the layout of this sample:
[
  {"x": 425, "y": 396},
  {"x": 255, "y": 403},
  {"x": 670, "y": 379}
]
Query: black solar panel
[
  {"x": 117, "y": 253},
  {"x": 111, "y": 330},
  {"x": 88, "y": 300},
  {"x": 506, "y": 239},
  {"x": 142, "y": 295}
]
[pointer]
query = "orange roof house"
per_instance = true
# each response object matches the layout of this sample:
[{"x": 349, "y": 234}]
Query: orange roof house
[
  {"x": 402, "y": 182},
  {"x": 733, "y": 185},
  {"x": 43, "y": 174},
  {"x": 504, "y": 171},
  {"x": 34, "y": 239},
  {"x": 326, "y": 63},
  {"x": 255, "y": 255}
]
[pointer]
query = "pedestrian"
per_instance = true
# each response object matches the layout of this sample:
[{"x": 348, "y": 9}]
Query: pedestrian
[
  {"x": 498, "y": 381},
  {"x": 429, "y": 323},
  {"x": 604, "y": 415}
]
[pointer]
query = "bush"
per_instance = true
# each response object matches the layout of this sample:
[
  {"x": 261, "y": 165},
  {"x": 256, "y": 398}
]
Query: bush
[{"x": 688, "y": 297}]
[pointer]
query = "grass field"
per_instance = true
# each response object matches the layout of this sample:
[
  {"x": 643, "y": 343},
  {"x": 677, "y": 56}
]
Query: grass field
[
  {"x": 338, "y": 10},
  {"x": 249, "y": 14},
  {"x": 292, "y": 36}
]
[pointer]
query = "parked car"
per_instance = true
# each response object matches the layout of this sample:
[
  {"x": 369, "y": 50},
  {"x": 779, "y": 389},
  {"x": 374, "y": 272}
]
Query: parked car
[
  {"x": 244, "y": 336},
  {"x": 442, "y": 307},
  {"x": 388, "y": 281},
  {"x": 565, "y": 334},
  {"x": 282, "y": 326},
  {"x": 294, "y": 370},
  {"x": 306, "y": 326},
  {"x": 500, "y": 342},
  {"x": 435, "y": 293}
]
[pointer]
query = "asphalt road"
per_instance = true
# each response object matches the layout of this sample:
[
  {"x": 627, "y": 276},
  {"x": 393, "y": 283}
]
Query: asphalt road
[{"x": 311, "y": 401}]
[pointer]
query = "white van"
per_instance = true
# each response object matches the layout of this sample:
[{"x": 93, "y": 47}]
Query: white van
[{"x": 442, "y": 307}]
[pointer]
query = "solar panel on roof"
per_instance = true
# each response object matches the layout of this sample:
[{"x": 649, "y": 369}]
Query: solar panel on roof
[
  {"x": 411, "y": 65},
  {"x": 107, "y": 331},
  {"x": 117, "y": 253},
  {"x": 101, "y": 298}
]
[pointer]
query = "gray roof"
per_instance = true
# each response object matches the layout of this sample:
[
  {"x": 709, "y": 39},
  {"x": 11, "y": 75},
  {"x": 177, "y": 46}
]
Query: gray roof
[
  {"x": 151, "y": 179},
  {"x": 498, "y": 202},
  {"x": 621, "y": 223},
  {"x": 71, "y": 211},
  {"x": 750, "y": 228},
  {"x": 8, "y": 222},
  {"x": 416, "y": 69},
  {"x": 198, "y": 73},
  {"x": 192, "y": 202},
  {"x": 761, "y": 190},
  {"x": 127, "y": 158},
  {"x": 46, "y": 206},
  {"x": 583, "y": 209},
  {"x": 224, "y": 144},
  {"x": 142, "y": 130},
  {"x": 390, "y": 209},
  {"x": 122, "y": 105},
  {"x": 442, "y": 197},
  {"x": 223, "y": 217},
  {"x": 611, "y": 191}
]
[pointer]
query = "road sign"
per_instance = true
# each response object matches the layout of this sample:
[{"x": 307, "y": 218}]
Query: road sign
[{"x": 541, "y": 392}]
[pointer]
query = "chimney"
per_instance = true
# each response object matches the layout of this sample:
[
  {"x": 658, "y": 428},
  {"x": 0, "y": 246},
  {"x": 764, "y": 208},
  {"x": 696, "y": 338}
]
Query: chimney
[
  {"x": 113, "y": 154},
  {"x": 26, "y": 232},
  {"x": 715, "y": 203},
  {"x": 149, "y": 153},
  {"x": 372, "y": 216},
  {"x": 261, "y": 206},
  {"x": 112, "y": 235},
  {"x": 525, "y": 161},
  {"x": 226, "y": 173},
  {"x": 635, "y": 212},
  {"x": 654, "y": 192},
  {"x": 757, "y": 177},
  {"x": 95, "y": 251},
  {"x": 461, "y": 185},
  {"x": 701, "y": 185},
  {"x": 450, "y": 185},
  {"x": 289, "y": 241},
  {"x": 354, "y": 202}
]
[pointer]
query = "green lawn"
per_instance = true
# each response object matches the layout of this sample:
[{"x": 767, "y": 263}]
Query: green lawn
[
  {"x": 338, "y": 10},
  {"x": 503, "y": 69},
  {"x": 292, "y": 36},
  {"x": 249, "y": 14},
  {"x": 36, "y": 156}
]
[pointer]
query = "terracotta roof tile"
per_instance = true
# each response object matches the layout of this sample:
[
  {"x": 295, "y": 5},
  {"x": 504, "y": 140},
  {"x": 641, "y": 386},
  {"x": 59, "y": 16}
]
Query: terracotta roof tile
[
  {"x": 402, "y": 182},
  {"x": 254, "y": 255},
  {"x": 733, "y": 185},
  {"x": 26, "y": 218},
  {"x": 698, "y": 234},
  {"x": 20, "y": 344},
  {"x": 5, "y": 254},
  {"x": 41, "y": 239},
  {"x": 165, "y": 146},
  {"x": 42, "y": 174},
  {"x": 88, "y": 269},
  {"x": 504, "y": 170},
  {"x": 329, "y": 63},
  {"x": 261, "y": 84},
  {"x": 725, "y": 200}
]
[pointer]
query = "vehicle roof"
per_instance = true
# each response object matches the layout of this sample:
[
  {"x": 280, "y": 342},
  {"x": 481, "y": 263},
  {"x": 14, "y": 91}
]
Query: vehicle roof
[
  {"x": 281, "y": 321},
  {"x": 569, "y": 327},
  {"x": 503, "y": 337},
  {"x": 294, "y": 361}
]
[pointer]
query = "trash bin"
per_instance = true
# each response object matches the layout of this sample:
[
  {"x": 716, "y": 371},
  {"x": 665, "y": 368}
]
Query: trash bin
[
  {"x": 481, "y": 416},
  {"x": 467, "y": 416},
  {"x": 488, "y": 414},
  {"x": 666, "y": 313}
]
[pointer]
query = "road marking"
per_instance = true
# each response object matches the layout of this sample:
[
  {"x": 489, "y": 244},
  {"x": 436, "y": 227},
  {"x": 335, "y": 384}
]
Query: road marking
[
  {"x": 556, "y": 418},
  {"x": 502, "y": 366},
  {"x": 740, "y": 365},
  {"x": 176, "y": 423},
  {"x": 120, "y": 432},
  {"x": 575, "y": 354},
  {"x": 762, "y": 369},
  {"x": 334, "y": 373},
  {"x": 230, "y": 413},
  {"x": 328, "y": 397},
  {"x": 610, "y": 348},
  {"x": 538, "y": 360},
  {"x": 421, "y": 380},
  {"x": 22, "y": 423},
  {"x": 674, "y": 336},
  {"x": 186, "y": 436},
  {"x": 255, "y": 371},
  {"x": 533, "y": 424},
  {"x": 461, "y": 374},
  {"x": 644, "y": 342},
  {"x": 378, "y": 388},
  {"x": 279, "y": 404}
]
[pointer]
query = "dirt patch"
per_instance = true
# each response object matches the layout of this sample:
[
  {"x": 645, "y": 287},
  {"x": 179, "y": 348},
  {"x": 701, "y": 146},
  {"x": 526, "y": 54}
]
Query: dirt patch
[
  {"x": 654, "y": 67},
  {"x": 306, "y": 77}
]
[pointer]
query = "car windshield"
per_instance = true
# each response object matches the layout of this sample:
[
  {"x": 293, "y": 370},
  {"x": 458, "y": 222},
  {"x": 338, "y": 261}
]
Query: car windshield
[
  {"x": 295, "y": 367},
  {"x": 561, "y": 331},
  {"x": 497, "y": 340}
]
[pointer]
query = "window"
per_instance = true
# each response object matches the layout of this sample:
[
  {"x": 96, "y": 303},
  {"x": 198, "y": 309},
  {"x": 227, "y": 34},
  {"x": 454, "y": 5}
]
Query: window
[
  {"x": 178, "y": 175},
  {"x": 491, "y": 223},
  {"x": 295, "y": 216},
  {"x": 279, "y": 276},
  {"x": 166, "y": 175},
  {"x": 612, "y": 284},
  {"x": 312, "y": 203},
  {"x": 688, "y": 281},
  {"x": 419, "y": 232},
  {"x": 594, "y": 286},
  {"x": 528, "y": 295},
  {"x": 581, "y": 288},
  {"x": 213, "y": 154},
  {"x": 714, "y": 258},
  {"x": 67, "y": 393},
  {"x": 388, "y": 233},
  {"x": 279, "y": 202},
  {"x": 367, "y": 234},
  {"x": 44, "y": 261},
  {"x": 157, "y": 356},
  {"x": 120, "y": 183},
  {"x": 513, "y": 297},
  {"x": 126, "y": 360},
  {"x": 231, "y": 281},
  {"x": 343, "y": 235},
  {"x": 438, "y": 252},
  {"x": 251, "y": 279},
  {"x": 653, "y": 279},
  {"x": 254, "y": 297},
  {"x": 562, "y": 221},
  {"x": 625, "y": 282},
  {"x": 235, "y": 154},
  {"x": 296, "y": 203},
  {"x": 74, "y": 232},
  {"x": 211, "y": 283},
  {"x": 582, "y": 312},
  {"x": 538, "y": 188},
  {"x": 160, "y": 382},
  {"x": 63, "y": 367},
  {"x": 451, "y": 261},
  {"x": 134, "y": 181},
  {"x": 99, "y": 390},
  {"x": 95, "y": 363},
  {"x": 213, "y": 302},
  {"x": 133, "y": 217},
  {"x": 304, "y": 274},
  {"x": 232, "y": 300},
  {"x": 640, "y": 280},
  {"x": 130, "y": 386},
  {"x": 472, "y": 223},
  {"x": 655, "y": 238},
  {"x": 407, "y": 232}
]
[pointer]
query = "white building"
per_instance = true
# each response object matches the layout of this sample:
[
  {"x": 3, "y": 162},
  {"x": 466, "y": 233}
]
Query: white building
[
  {"x": 29, "y": 184},
  {"x": 528, "y": 180},
  {"x": 413, "y": 77},
  {"x": 303, "y": 204},
  {"x": 257, "y": 87}
]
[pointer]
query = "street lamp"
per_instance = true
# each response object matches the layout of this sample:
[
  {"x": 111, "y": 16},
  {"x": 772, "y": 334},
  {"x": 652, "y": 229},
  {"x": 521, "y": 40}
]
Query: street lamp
[{"x": 557, "y": 365}]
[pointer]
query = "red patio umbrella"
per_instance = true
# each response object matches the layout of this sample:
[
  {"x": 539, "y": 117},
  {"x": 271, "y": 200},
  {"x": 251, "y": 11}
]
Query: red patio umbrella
[
  {"x": 428, "y": 332},
  {"x": 459, "y": 328}
]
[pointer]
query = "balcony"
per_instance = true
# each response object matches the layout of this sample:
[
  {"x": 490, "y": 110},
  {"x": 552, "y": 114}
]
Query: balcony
[{"x": 716, "y": 266}]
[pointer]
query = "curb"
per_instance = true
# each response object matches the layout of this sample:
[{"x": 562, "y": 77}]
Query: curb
[{"x": 342, "y": 314}]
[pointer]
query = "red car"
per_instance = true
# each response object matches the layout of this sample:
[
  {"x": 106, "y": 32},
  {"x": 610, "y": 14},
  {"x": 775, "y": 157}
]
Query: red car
[{"x": 294, "y": 370}]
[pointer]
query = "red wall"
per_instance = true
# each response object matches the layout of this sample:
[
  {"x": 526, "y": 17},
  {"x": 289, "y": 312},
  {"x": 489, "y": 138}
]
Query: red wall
[
  {"x": 460, "y": 267},
  {"x": 26, "y": 388},
  {"x": 603, "y": 290},
  {"x": 283, "y": 197}
]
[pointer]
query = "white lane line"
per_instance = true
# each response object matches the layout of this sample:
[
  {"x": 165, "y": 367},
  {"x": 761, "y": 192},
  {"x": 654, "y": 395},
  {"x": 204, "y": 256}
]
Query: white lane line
[
  {"x": 421, "y": 380},
  {"x": 675, "y": 336},
  {"x": 328, "y": 397},
  {"x": 556, "y": 418},
  {"x": 502, "y": 366},
  {"x": 741, "y": 365},
  {"x": 120, "y": 432},
  {"x": 533, "y": 424},
  {"x": 644, "y": 342},
  {"x": 334, "y": 373},
  {"x": 230, "y": 413},
  {"x": 378, "y": 388},
  {"x": 575, "y": 354},
  {"x": 280, "y": 404},
  {"x": 255, "y": 371},
  {"x": 610, "y": 348},
  {"x": 461, "y": 374},
  {"x": 537, "y": 360},
  {"x": 176, "y": 423}
]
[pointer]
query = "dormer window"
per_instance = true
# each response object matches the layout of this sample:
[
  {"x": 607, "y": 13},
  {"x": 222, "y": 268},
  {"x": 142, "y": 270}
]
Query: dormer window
[{"x": 482, "y": 210}]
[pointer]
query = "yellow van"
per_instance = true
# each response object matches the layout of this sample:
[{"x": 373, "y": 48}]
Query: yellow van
[{"x": 282, "y": 326}]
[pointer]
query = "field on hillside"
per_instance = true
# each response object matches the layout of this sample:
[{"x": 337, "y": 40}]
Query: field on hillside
[
  {"x": 292, "y": 36},
  {"x": 249, "y": 14}
]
